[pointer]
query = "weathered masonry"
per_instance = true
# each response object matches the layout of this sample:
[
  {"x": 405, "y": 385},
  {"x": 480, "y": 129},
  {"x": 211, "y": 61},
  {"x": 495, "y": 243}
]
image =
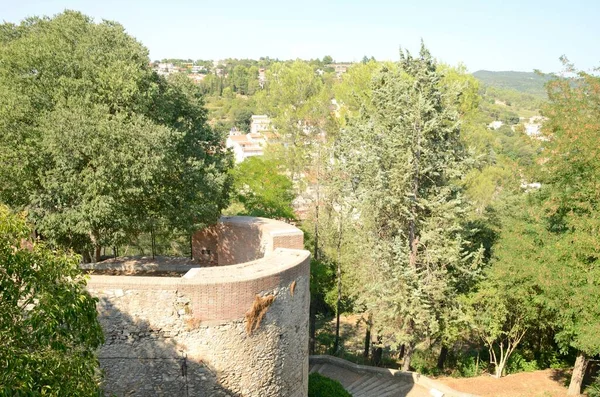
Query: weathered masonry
[{"x": 235, "y": 324}]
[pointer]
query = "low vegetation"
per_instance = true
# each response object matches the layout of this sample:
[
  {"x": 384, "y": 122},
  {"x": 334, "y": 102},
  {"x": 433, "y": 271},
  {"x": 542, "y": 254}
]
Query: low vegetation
[{"x": 321, "y": 386}]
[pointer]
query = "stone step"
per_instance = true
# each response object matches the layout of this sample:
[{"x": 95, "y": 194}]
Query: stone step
[
  {"x": 343, "y": 375},
  {"x": 366, "y": 384},
  {"x": 357, "y": 382},
  {"x": 397, "y": 389},
  {"x": 315, "y": 368},
  {"x": 374, "y": 389}
]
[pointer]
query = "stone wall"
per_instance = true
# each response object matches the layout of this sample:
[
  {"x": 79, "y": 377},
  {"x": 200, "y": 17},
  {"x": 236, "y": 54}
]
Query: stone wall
[
  {"x": 180, "y": 336},
  {"x": 238, "y": 239}
]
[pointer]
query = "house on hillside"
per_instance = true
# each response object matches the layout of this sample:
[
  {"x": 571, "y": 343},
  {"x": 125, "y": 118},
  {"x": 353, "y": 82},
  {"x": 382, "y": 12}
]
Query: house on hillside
[
  {"x": 262, "y": 77},
  {"x": 260, "y": 123},
  {"x": 247, "y": 145},
  {"x": 340, "y": 68},
  {"x": 494, "y": 125}
]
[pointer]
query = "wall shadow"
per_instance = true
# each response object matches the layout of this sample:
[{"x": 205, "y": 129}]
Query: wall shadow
[
  {"x": 229, "y": 242},
  {"x": 139, "y": 359}
]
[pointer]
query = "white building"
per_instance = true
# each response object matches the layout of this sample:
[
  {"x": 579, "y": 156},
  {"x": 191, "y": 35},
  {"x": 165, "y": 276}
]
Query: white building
[
  {"x": 494, "y": 125},
  {"x": 245, "y": 146},
  {"x": 260, "y": 123},
  {"x": 165, "y": 68}
]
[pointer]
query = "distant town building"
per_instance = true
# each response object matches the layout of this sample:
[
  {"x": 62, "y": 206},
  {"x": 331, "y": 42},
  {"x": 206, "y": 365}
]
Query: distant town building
[
  {"x": 164, "y": 69},
  {"x": 534, "y": 127},
  {"x": 252, "y": 144},
  {"x": 196, "y": 78},
  {"x": 262, "y": 77},
  {"x": 340, "y": 68},
  {"x": 260, "y": 123},
  {"x": 245, "y": 146},
  {"x": 494, "y": 125}
]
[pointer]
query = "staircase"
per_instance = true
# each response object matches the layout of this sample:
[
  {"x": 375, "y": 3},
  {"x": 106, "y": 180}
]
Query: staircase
[
  {"x": 366, "y": 381},
  {"x": 370, "y": 384}
]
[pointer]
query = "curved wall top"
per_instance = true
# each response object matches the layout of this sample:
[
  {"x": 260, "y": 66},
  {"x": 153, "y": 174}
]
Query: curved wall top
[{"x": 248, "y": 256}]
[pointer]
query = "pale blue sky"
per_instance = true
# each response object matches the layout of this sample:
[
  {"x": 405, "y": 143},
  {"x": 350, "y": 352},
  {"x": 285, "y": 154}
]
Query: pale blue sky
[{"x": 493, "y": 35}]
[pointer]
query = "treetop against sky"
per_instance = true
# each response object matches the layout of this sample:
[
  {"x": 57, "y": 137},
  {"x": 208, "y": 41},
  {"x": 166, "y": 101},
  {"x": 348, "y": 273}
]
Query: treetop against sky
[{"x": 491, "y": 35}]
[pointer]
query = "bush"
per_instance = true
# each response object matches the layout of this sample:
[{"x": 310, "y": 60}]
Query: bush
[
  {"x": 321, "y": 386},
  {"x": 517, "y": 363},
  {"x": 425, "y": 362},
  {"x": 593, "y": 390},
  {"x": 468, "y": 366}
]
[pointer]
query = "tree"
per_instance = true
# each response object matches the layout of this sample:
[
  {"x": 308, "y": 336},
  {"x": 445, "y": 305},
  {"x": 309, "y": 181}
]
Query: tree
[
  {"x": 406, "y": 159},
  {"x": 48, "y": 329},
  {"x": 509, "y": 302},
  {"x": 97, "y": 147},
  {"x": 240, "y": 79},
  {"x": 327, "y": 59},
  {"x": 262, "y": 189},
  {"x": 570, "y": 197},
  {"x": 298, "y": 105}
]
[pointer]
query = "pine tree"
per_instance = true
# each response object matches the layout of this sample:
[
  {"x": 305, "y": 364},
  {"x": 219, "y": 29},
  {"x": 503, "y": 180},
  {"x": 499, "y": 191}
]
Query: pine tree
[{"x": 406, "y": 160}]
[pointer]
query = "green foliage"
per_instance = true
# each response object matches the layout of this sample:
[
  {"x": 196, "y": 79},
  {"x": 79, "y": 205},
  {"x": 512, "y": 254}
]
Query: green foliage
[
  {"x": 425, "y": 362},
  {"x": 593, "y": 390},
  {"x": 468, "y": 366},
  {"x": 48, "y": 329},
  {"x": 406, "y": 159},
  {"x": 517, "y": 363},
  {"x": 508, "y": 303},
  {"x": 96, "y": 146},
  {"x": 262, "y": 189},
  {"x": 321, "y": 386},
  {"x": 526, "y": 82}
]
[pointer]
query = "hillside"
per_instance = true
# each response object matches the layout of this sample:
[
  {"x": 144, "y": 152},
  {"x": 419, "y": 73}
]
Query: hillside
[{"x": 526, "y": 82}]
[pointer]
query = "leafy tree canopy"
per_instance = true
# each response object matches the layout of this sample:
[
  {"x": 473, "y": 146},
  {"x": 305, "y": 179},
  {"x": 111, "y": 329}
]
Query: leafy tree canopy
[
  {"x": 48, "y": 328},
  {"x": 95, "y": 145},
  {"x": 262, "y": 189}
]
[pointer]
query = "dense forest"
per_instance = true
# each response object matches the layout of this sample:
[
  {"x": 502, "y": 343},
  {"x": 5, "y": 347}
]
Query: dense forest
[{"x": 461, "y": 248}]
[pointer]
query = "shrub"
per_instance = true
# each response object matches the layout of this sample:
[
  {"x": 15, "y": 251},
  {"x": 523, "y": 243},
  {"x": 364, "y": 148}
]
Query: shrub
[
  {"x": 425, "y": 362},
  {"x": 469, "y": 366},
  {"x": 321, "y": 386},
  {"x": 593, "y": 390},
  {"x": 518, "y": 363}
]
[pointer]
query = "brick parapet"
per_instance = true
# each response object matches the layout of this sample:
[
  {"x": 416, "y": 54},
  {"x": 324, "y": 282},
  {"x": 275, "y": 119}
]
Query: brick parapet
[{"x": 202, "y": 314}]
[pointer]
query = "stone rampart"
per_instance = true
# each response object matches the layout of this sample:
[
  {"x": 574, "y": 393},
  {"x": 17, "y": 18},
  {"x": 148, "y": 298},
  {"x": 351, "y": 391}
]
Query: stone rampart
[{"x": 193, "y": 335}]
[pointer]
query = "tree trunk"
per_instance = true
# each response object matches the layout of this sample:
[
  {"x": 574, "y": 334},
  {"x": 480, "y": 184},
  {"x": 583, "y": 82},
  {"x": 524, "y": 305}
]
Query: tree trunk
[
  {"x": 499, "y": 369},
  {"x": 316, "y": 247},
  {"x": 368, "y": 337},
  {"x": 402, "y": 349},
  {"x": 578, "y": 372},
  {"x": 97, "y": 253},
  {"x": 312, "y": 321},
  {"x": 152, "y": 243},
  {"x": 339, "y": 284},
  {"x": 408, "y": 352},
  {"x": 86, "y": 256},
  {"x": 442, "y": 357}
]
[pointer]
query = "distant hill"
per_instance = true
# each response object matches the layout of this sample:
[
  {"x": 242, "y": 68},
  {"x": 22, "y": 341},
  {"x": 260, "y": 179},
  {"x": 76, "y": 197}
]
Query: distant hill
[{"x": 526, "y": 82}]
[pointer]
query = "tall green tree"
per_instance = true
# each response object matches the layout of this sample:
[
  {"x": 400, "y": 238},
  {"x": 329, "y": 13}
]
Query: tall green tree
[
  {"x": 96, "y": 147},
  {"x": 48, "y": 329},
  {"x": 296, "y": 101},
  {"x": 262, "y": 189},
  {"x": 570, "y": 197},
  {"x": 406, "y": 159}
]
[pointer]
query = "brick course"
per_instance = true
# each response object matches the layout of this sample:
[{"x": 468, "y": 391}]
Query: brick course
[{"x": 203, "y": 312}]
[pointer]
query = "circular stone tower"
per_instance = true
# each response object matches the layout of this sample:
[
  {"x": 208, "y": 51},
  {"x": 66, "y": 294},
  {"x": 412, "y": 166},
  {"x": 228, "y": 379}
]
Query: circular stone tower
[{"x": 235, "y": 323}]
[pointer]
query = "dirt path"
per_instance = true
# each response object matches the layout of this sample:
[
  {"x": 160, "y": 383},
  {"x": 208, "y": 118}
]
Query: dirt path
[{"x": 546, "y": 383}]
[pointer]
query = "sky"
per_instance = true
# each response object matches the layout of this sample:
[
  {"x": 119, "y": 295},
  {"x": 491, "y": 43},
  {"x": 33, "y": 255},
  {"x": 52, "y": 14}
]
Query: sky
[{"x": 482, "y": 34}]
